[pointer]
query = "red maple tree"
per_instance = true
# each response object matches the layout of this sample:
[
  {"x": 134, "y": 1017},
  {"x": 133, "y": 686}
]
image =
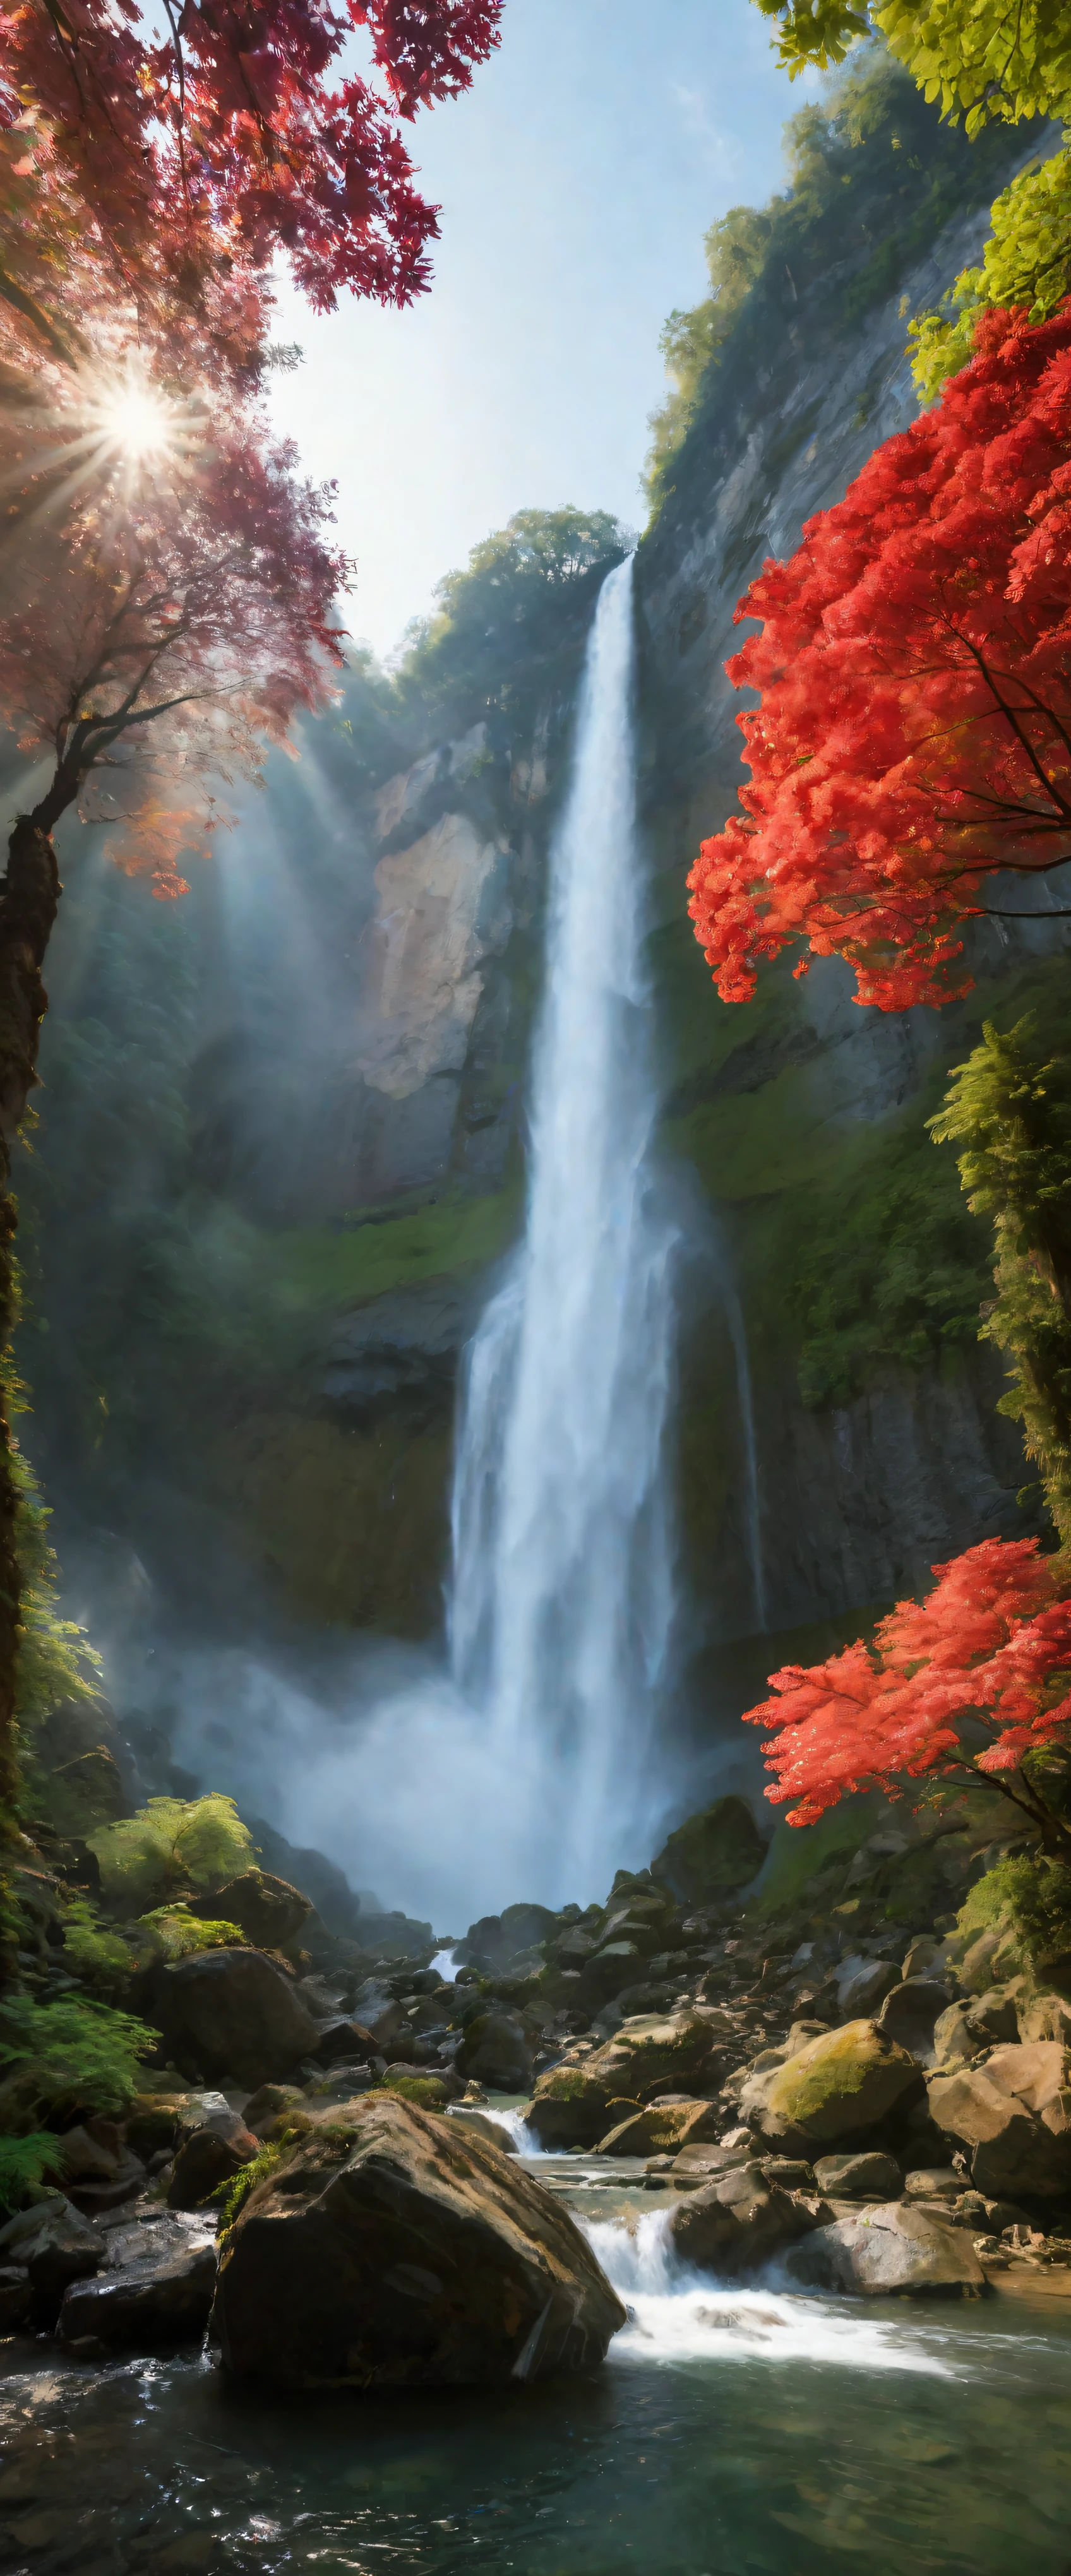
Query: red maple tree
[
  {"x": 914, "y": 670},
  {"x": 964, "y": 1686},
  {"x": 227, "y": 140}
]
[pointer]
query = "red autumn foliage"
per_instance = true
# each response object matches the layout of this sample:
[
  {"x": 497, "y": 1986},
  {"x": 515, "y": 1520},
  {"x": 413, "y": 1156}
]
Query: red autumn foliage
[
  {"x": 162, "y": 619},
  {"x": 914, "y": 665},
  {"x": 963, "y": 1685},
  {"x": 227, "y": 139}
]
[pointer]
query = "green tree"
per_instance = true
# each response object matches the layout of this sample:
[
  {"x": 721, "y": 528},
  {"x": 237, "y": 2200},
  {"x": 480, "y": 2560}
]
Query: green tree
[
  {"x": 505, "y": 604},
  {"x": 983, "y": 59},
  {"x": 1026, "y": 261}
]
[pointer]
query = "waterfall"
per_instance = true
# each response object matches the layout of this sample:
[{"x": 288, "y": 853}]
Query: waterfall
[
  {"x": 529, "y": 1768},
  {"x": 562, "y": 1594}
]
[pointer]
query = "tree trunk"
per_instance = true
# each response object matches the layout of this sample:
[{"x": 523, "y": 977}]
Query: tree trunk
[{"x": 29, "y": 896}]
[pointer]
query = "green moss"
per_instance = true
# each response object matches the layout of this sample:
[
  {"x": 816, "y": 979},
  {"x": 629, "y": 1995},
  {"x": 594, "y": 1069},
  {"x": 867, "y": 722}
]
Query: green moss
[
  {"x": 799, "y": 1853},
  {"x": 1031, "y": 1896},
  {"x": 428, "y": 2092},
  {"x": 320, "y": 1268}
]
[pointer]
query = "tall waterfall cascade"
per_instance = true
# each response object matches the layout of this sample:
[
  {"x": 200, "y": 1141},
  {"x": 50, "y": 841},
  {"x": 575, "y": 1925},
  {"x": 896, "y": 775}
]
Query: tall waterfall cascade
[
  {"x": 531, "y": 1764},
  {"x": 562, "y": 1593}
]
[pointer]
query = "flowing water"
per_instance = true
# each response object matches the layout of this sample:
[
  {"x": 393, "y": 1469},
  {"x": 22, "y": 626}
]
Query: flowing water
[
  {"x": 731, "y": 2432},
  {"x": 525, "y": 1769}
]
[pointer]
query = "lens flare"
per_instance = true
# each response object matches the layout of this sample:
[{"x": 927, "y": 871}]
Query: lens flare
[{"x": 136, "y": 419}]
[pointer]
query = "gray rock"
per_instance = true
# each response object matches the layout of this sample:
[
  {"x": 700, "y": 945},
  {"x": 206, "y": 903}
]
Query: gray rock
[
  {"x": 955, "y": 2039},
  {"x": 860, "y": 2177},
  {"x": 54, "y": 2244},
  {"x": 736, "y": 2223},
  {"x": 155, "y": 2292},
  {"x": 342, "y": 2040},
  {"x": 232, "y": 2013},
  {"x": 16, "y": 2299},
  {"x": 410, "y": 2254},
  {"x": 910, "y": 2013},
  {"x": 1014, "y": 2116},
  {"x": 889, "y": 2248},
  {"x": 491, "y": 2131},
  {"x": 862, "y": 1987},
  {"x": 496, "y": 2050},
  {"x": 933, "y": 2182}
]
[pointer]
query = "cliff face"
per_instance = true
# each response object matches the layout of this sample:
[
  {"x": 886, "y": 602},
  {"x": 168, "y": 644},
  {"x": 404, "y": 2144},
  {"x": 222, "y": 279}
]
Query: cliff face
[
  {"x": 878, "y": 1448},
  {"x": 254, "y": 1332}
]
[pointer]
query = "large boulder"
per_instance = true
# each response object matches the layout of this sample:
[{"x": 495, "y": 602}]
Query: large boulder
[
  {"x": 838, "y": 2087},
  {"x": 860, "y": 2177},
  {"x": 891, "y": 2247},
  {"x": 1013, "y": 2115},
  {"x": 650, "y": 2054},
  {"x": 500, "y": 1938},
  {"x": 154, "y": 2291},
  {"x": 496, "y": 2050},
  {"x": 344, "y": 2042},
  {"x": 735, "y": 2222},
  {"x": 231, "y": 2013},
  {"x": 208, "y": 2158},
  {"x": 862, "y": 1986},
  {"x": 406, "y": 2252},
  {"x": 267, "y": 1909},
  {"x": 712, "y": 1854},
  {"x": 52, "y": 2244},
  {"x": 910, "y": 2014}
]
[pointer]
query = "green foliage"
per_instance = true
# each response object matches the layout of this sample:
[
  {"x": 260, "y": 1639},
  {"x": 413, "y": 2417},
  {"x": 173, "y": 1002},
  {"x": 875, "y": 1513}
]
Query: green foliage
[
  {"x": 873, "y": 177},
  {"x": 795, "y": 1858},
  {"x": 1010, "y": 1109},
  {"x": 504, "y": 608},
  {"x": 983, "y": 59},
  {"x": 71, "y": 2054},
  {"x": 95, "y": 1952},
  {"x": 24, "y": 2162},
  {"x": 233, "y": 2195},
  {"x": 174, "y": 1933},
  {"x": 1031, "y": 1894},
  {"x": 890, "y": 1268},
  {"x": 168, "y": 1845},
  {"x": 56, "y": 1660},
  {"x": 427, "y": 2091},
  {"x": 1026, "y": 262}
]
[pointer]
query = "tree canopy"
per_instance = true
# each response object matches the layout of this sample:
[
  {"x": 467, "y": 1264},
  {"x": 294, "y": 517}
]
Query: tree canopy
[
  {"x": 224, "y": 141},
  {"x": 470, "y": 646},
  {"x": 967, "y": 1685},
  {"x": 914, "y": 726},
  {"x": 982, "y": 59}
]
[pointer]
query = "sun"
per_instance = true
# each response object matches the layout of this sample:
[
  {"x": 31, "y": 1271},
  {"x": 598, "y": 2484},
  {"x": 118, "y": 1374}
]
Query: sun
[{"x": 136, "y": 419}]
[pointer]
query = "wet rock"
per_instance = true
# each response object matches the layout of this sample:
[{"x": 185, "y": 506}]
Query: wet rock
[
  {"x": 890, "y": 2248},
  {"x": 862, "y": 2177},
  {"x": 232, "y": 2012},
  {"x": 736, "y": 2222},
  {"x": 649, "y": 2054},
  {"x": 207, "y": 2159},
  {"x": 408, "y": 2254},
  {"x": 837, "y": 2087},
  {"x": 155, "y": 2292},
  {"x": 659, "y": 2126},
  {"x": 496, "y": 2050},
  {"x": 1013, "y": 2115},
  {"x": 713, "y": 1854},
  {"x": 53, "y": 2244},
  {"x": 100, "y": 2171},
  {"x": 342, "y": 2040},
  {"x": 910, "y": 2014},
  {"x": 267, "y": 1909}
]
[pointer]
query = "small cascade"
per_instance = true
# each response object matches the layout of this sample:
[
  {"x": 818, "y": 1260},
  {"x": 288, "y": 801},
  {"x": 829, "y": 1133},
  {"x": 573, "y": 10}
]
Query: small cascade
[{"x": 678, "y": 2315}]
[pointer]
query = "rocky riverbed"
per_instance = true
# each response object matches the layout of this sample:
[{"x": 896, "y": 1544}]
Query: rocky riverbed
[{"x": 719, "y": 2124}]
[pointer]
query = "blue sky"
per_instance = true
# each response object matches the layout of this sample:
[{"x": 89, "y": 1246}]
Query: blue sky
[{"x": 576, "y": 181}]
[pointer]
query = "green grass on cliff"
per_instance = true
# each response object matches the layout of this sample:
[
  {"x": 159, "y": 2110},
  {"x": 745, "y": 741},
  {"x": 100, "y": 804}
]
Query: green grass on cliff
[{"x": 320, "y": 1267}]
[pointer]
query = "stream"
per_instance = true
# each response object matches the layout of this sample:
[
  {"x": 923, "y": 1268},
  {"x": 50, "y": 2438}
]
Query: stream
[{"x": 731, "y": 2432}]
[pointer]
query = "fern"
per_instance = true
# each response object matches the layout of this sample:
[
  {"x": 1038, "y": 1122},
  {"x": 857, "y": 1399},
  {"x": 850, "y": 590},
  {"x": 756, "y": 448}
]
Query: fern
[
  {"x": 24, "y": 2162},
  {"x": 72, "y": 2053}
]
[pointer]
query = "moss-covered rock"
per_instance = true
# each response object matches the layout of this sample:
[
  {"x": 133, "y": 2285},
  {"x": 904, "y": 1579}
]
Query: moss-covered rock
[
  {"x": 648, "y": 2055},
  {"x": 837, "y": 2087}
]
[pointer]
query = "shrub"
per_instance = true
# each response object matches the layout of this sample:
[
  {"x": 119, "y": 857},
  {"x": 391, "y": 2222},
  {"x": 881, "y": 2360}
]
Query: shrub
[
  {"x": 95, "y": 1951},
  {"x": 174, "y": 1933},
  {"x": 69, "y": 2055},
  {"x": 168, "y": 1845},
  {"x": 1032, "y": 1898}
]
